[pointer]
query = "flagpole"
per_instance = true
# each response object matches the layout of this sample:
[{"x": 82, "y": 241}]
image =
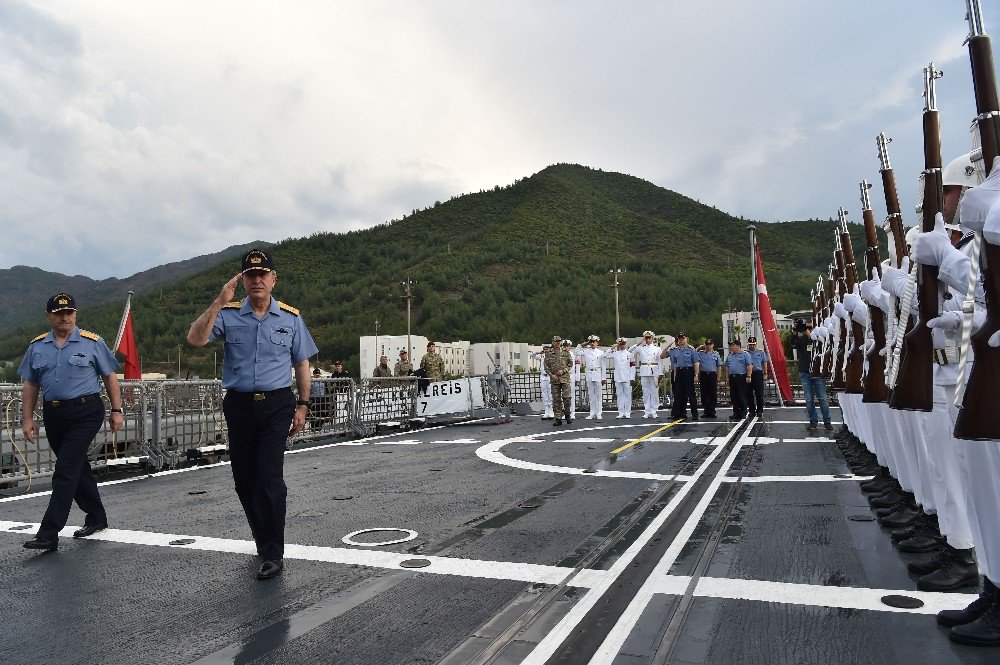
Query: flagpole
[
  {"x": 121, "y": 326},
  {"x": 755, "y": 316}
]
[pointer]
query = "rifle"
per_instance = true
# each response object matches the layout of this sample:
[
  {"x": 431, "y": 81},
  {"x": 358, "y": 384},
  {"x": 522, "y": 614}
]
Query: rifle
[
  {"x": 839, "y": 380},
  {"x": 893, "y": 227},
  {"x": 817, "y": 304},
  {"x": 914, "y": 389},
  {"x": 828, "y": 352},
  {"x": 854, "y": 363},
  {"x": 976, "y": 418},
  {"x": 875, "y": 389}
]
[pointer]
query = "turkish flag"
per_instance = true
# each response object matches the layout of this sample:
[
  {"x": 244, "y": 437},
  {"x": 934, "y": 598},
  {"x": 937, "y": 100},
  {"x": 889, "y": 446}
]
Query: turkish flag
[
  {"x": 774, "y": 348},
  {"x": 125, "y": 345}
]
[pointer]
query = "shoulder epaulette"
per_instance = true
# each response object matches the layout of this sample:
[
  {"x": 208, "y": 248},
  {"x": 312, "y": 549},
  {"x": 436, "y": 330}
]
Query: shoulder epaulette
[
  {"x": 288, "y": 308},
  {"x": 235, "y": 304},
  {"x": 42, "y": 336},
  {"x": 90, "y": 335}
]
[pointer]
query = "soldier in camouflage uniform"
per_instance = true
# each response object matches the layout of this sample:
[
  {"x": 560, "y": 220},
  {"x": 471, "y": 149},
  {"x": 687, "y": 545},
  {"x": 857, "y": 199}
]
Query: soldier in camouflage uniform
[
  {"x": 432, "y": 364},
  {"x": 382, "y": 369},
  {"x": 558, "y": 365},
  {"x": 403, "y": 366}
]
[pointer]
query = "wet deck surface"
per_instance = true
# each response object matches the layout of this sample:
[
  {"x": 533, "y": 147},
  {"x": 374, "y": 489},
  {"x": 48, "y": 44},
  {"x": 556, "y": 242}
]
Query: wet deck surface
[{"x": 702, "y": 543}]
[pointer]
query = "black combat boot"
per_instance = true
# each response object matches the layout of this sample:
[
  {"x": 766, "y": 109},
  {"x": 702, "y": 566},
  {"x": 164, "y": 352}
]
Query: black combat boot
[
  {"x": 881, "y": 482},
  {"x": 921, "y": 541},
  {"x": 930, "y": 563},
  {"x": 904, "y": 532},
  {"x": 959, "y": 571},
  {"x": 904, "y": 516},
  {"x": 982, "y": 632},
  {"x": 556, "y": 422},
  {"x": 973, "y": 611},
  {"x": 889, "y": 498}
]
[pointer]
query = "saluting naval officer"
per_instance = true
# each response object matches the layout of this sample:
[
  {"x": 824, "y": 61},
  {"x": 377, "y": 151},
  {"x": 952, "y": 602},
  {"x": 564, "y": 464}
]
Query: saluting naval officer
[
  {"x": 736, "y": 364},
  {"x": 68, "y": 365},
  {"x": 682, "y": 361},
  {"x": 647, "y": 355},
  {"x": 758, "y": 371},
  {"x": 265, "y": 340},
  {"x": 706, "y": 374}
]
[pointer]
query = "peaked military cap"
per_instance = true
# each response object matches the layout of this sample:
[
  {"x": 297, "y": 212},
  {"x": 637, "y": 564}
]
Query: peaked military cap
[
  {"x": 258, "y": 259},
  {"x": 60, "y": 302},
  {"x": 648, "y": 333},
  {"x": 751, "y": 340}
]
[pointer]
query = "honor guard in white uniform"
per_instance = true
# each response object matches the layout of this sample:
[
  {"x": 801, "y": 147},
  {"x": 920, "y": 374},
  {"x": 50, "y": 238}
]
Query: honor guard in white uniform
[
  {"x": 593, "y": 363},
  {"x": 647, "y": 358},
  {"x": 545, "y": 383},
  {"x": 574, "y": 374},
  {"x": 624, "y": 364}
]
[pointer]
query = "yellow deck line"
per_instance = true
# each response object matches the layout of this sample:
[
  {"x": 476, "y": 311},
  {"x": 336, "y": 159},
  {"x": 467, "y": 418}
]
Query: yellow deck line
[{"x": 646, "y": 436}]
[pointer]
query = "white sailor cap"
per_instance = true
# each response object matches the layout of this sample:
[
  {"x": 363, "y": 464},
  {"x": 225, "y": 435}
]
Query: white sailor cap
[
  {"x": 621, "y": 340},
  {"x": 648, "y": 333},
  {"x": 567, "y": 342},
  {"x": 546, "y": 346},
  {"x": 593, "y": 338}
]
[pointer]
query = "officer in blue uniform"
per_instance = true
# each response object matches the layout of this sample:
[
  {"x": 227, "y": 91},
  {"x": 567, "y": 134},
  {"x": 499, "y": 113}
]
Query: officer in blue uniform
[
  {"x": 265, "y": 340},
  {"x": 683, "y": 358},
  {"x": 758, "y": 361},
  {"x": 736, "y": 364},
  {"x": 706, "y": 374},
  {"x": 67, "y": 365}
]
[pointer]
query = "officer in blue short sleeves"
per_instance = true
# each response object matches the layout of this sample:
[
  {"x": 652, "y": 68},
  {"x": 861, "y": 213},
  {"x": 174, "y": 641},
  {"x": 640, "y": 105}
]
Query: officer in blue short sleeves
[
  {"x": 759, "y": 362},
  {"x": 736, "y": 364},
  {"x": 265, "y": 341},
  {"x": 682, "y": 361},
  {"x": 68, "y": 365},
  {"x": 706, "y": 373}
]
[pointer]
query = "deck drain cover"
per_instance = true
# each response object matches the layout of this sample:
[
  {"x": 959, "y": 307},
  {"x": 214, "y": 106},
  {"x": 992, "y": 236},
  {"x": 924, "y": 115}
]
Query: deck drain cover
[
  {"x": 182, "y": 541},
  {"x": 415, "y": 563},
  {"x": 343, "y": 497},
  {"x": 861, "y": 518},
  {"x": 20, "y": 527},
  {"x": 905, "y": 602},
  {"x": 198, "y": 492},
  {"x": 843, "y": 475},
  {"x": 590, "y": 470}
]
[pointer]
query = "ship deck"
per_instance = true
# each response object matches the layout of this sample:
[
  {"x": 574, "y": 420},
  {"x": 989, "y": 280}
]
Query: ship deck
[{"x": 606, "y": 541}]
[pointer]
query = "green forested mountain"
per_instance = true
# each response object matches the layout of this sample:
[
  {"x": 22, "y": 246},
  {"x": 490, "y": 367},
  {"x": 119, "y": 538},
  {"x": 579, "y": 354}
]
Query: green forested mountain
[{"x": 513, "y": 263}]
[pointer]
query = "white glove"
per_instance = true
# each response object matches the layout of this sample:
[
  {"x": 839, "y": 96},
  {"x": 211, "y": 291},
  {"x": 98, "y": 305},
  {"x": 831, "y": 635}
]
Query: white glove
[
  {"x": 991, "y": 232},
  {"x": 875, "y": 295},
  {"x": 894, "y": 280},
  {"x": 840, "y": 311},
  {"x": 995, "y": 339},
  {"x": 932, "y": 248},
  {"x": 977, "y": 202},
  {"x": 869, "y": 345},
  {"x": 860, "y": 314},
  {"x": 944, "y": 326},
  {"x": 820, "y": 333}
]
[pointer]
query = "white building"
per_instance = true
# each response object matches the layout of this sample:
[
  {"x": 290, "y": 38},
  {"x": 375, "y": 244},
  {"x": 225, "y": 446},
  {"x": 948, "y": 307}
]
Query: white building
[
  {"x": 454, "y": 354},
  {"x": 741, "y": 322},
  {"x": 510, "y": 356}
]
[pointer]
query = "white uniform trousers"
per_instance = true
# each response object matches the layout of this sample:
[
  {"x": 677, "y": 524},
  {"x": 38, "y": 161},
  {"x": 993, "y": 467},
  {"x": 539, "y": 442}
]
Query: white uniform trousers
[
  {"x": 980, "y": 462},
  {"x": 650, "y": 398},
  {"x": 945, "y": 456},
  {"x": 546, "y": 385},
  {"x": 594, "y": 398},
  {"x": 624, "y": 390}
]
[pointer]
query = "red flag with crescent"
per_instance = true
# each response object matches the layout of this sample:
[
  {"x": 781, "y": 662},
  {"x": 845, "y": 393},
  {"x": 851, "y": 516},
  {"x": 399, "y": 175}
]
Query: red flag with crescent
[
  {"x": 774, "y": 347},
  {"x": 125, "y": 344}
]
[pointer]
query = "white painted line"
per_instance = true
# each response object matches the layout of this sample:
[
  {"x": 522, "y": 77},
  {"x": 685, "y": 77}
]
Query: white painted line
[
  {"x": 814, "y": 594},
  {"x": 822, "y": 478},
  {"x": 612, "y": 644},
  {"x": 585, "y": 440},
  {"x": 795, "y": 422},
  {"x": 496, "y": 570},
  {"x": 456, "y": 441},
  {"x": 403, "y": 442},
  {"x": 544, "y": 649}
]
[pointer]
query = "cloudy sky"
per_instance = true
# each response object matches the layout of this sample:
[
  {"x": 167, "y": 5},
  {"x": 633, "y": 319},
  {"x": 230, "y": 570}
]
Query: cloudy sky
[{"x": 133, "y": 133}]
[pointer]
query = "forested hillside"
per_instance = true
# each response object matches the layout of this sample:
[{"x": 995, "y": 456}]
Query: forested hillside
[{"x": 513, "y": 263}]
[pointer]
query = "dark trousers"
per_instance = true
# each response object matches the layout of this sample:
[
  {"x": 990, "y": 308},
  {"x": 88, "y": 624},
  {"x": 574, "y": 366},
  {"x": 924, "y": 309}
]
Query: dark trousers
[
  {"x": 70, "y": 428},
  {"x": 738, "y": 394},
  {"x": 709, "y": 391},
  {"x": 684, "y": 394},
  {"x": 755, "y": 398},
  {"x": 258, "y": 430}
]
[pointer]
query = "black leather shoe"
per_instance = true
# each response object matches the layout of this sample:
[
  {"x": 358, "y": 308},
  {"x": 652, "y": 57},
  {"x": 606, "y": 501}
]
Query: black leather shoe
[
  {"x": 89, "y": 530},
  {"x": 983, "y": 632},
  {"x": 828, "y": 426},
  {"x": 959, "y": 571},
  {"x": 269, "y": 569},
  {"x": 905, "y": 516},
  {"x": 569, "y": 421},
  {"x": 930, "y": 563},
  {"x": 879, "y": 484},
  {"x": 920, "y": 542},
  {"x": 37, "y": 543},
  {"x": 812, "y": 427},
  {"x": 904, "y": 532},
  {"x": 973, "y": 611},
  {"x": 889, "y": 498},
  {"x": 556, "y": 422}
]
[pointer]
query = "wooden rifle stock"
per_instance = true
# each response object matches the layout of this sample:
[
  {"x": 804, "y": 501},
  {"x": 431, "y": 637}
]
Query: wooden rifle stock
[
  {"x": 829, "y": 357},
  {"x": 816, "y": 365},
  {"x": 914, "y": 390},
  {"x": 977, "y": 418},
  {"x": 855, "y": 364},
  {"x": 839, "y": 380},
  {"x": 875, "y": 389}
]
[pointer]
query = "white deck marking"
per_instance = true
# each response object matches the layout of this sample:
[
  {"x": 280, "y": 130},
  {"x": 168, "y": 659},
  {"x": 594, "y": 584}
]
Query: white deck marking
[
  {"x": 496, "y": 570},
  {"x": 814, "y": 594},
  {"x": 795, "y": 422},
  {"x": 456, "y": 441},
  {"x": 821, "y": 478},
  {"x": 547, "y": 646},
  {"x": 584, "y": 440},
  {"x": 612, "y": 644}
]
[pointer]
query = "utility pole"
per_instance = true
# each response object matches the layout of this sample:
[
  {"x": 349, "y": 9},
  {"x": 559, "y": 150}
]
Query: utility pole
[
  {"x": 376, "y": 338},
  {"x": 408, "y": 284},
  {"x": 616, "y": 286},
  {"x": 178, "y": 361}
]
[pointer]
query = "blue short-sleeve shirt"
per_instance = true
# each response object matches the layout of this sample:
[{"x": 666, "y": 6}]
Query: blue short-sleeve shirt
[
  {"x": 74, "y": 370},
  {"x": 259, "y": 353},
  {"x": 758, "y": 357},
  {"x": 709, "y": 361},
  {"x": 682, "y": 357},
  {"x": 737, "y": 362}
]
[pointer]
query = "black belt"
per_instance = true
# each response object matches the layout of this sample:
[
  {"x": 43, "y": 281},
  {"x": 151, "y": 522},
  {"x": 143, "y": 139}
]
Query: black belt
[
  {"x": 82, "y": 399},
  {"x": 708, "y": 371},
  {"x": 259, "y": 395}
]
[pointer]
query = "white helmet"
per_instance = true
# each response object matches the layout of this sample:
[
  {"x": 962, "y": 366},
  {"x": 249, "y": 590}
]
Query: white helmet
[{"x": 961, "y": 171}]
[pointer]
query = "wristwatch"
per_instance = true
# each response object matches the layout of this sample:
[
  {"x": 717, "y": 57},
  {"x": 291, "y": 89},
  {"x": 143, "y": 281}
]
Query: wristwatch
[
  {"x": 117, "y": 411},
  {"x": 304, "y": 402}
]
